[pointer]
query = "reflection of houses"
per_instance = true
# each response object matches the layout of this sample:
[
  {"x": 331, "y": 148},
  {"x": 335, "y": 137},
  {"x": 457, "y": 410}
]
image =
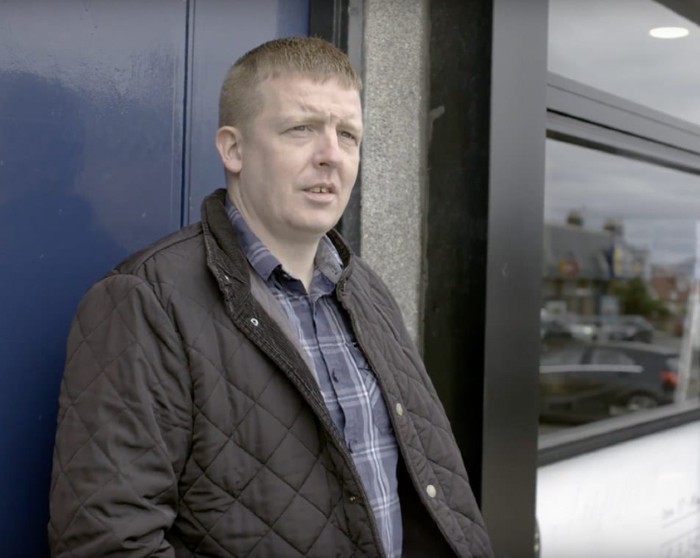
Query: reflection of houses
[
  {"x": 580, "y": 263},
  {"x": 672, "y": 286}
]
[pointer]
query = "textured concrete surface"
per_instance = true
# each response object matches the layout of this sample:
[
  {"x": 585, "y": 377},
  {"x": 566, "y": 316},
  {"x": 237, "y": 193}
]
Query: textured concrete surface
[{"x": 394, "y": 153}]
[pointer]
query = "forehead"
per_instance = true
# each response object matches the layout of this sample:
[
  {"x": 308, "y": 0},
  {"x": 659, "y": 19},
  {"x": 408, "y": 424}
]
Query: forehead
[{"x": 289, "y": 94}]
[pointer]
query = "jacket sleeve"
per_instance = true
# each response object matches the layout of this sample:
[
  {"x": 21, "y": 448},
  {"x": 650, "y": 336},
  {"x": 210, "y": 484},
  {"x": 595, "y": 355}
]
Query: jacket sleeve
[{"x": 124, "y": 426}]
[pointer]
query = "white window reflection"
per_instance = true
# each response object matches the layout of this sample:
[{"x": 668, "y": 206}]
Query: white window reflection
[
  {"x": 606, "y": 44},
  {"x": 620, "y": 286}
]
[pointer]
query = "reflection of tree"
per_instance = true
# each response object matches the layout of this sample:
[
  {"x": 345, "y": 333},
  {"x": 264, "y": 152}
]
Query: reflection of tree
[{"x": 635, "y": 299}]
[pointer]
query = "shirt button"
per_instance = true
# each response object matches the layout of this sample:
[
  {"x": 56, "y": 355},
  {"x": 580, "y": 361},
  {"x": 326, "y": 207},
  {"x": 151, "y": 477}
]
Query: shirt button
[
  {"x": 399, "y": 409},
  {"x": 430, "y": 489}
]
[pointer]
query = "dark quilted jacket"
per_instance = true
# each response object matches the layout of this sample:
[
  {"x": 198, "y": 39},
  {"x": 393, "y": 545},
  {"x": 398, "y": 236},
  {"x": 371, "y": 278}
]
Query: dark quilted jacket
[{"x": 191, "y": 425}]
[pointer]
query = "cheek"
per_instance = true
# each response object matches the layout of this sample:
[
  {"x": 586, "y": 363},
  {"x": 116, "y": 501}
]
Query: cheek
[
  {"x": 351, "y": 172},
  {"x": 285, "y": 166}
]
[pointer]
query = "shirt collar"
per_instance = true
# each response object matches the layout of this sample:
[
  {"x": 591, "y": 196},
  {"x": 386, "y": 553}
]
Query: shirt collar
[{"x": 327, "y": 259}]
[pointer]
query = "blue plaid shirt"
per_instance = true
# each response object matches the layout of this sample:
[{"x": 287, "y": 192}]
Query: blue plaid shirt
[{"x": 347, "y": 383}]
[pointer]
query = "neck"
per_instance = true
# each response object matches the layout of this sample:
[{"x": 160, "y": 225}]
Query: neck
[
  {"x": 297, "y": 259},
  {"x": 296, "y": 254}
]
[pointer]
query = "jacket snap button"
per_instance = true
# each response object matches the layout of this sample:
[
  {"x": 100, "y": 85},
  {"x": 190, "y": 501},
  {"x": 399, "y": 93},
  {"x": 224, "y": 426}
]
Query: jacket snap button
[
  {"x": 254, "y": 321},
  {"x": 352, "y": 498},
  {"x": 399, "y": 409},
  {"x": 430, "y": 489}
]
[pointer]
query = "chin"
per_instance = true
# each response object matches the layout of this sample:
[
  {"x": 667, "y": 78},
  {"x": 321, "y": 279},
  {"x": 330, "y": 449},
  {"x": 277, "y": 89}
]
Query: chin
[
  {"x": 314, "y": 233},
  {"x": 318, "y": 227}
]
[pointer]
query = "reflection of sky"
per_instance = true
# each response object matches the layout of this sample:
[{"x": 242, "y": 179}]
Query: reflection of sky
[
  {"x": 606, "y": 44},
  {"x": 658, "y": 207}
]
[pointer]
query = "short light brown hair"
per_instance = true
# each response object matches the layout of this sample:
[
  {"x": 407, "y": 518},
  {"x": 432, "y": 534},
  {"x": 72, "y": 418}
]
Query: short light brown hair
[{"x": 307, "y": 56}]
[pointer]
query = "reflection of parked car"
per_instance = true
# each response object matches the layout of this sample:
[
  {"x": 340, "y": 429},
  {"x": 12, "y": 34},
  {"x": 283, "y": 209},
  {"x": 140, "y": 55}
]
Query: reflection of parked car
[
  {"x": 554, "y": 329},
  {"x": 565, "y": 327},
  {"x": 585, "y": 327},
  {"x": 581, "y": 382},
  {"x": 626, "y": 328},
  {"x": 612, "y": 328}
]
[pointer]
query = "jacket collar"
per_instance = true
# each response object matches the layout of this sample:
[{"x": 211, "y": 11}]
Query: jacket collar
[
  {"x": 223, "y": 246},
  {"x": 251, "y": 306},
  {"x": 223, "y": 250}
]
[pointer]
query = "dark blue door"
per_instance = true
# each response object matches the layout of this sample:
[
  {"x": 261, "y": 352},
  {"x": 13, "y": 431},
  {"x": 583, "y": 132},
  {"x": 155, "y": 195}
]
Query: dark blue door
[{"x": 106, "y": 116}]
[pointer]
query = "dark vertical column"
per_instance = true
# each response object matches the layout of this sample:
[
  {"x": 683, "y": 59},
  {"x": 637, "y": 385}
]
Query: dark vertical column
[
  {"x": 486, "y": 173},
  {"x": 458, "y": 161},
  {"x": 329, "y": 20},
  {"x": 514, "y": 271}
]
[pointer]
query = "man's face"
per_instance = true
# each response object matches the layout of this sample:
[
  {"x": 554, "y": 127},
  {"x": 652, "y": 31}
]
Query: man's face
[{"x": 297, "y": 159}]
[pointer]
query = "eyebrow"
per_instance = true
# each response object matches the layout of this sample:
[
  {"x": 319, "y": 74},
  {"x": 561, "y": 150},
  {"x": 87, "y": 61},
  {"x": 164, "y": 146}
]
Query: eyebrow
[{"x": 316, "y": 116}]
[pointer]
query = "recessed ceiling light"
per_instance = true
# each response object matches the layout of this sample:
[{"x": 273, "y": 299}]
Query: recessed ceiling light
[{"x": 669, "y": 32}]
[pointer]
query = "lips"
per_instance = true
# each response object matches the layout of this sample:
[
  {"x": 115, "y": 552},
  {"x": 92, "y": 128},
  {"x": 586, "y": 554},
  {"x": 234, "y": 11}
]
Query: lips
[{"x": 321, "y": 189}]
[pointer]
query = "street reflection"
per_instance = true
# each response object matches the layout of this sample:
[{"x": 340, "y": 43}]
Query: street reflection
[{"x": 620, "y": 317}]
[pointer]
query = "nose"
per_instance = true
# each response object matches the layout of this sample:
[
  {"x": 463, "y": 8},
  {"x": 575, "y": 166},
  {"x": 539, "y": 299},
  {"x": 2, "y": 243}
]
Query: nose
[{"x": 328, "y": 150}]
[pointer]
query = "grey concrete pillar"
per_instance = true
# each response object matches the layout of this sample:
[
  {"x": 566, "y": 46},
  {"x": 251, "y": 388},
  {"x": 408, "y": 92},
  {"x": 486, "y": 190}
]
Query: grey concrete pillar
[{"x": 394, "y": 152}]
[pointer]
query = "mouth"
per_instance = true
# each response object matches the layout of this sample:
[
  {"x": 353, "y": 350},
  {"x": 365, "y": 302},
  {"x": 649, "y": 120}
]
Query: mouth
[{"x": 321, "y": 189}]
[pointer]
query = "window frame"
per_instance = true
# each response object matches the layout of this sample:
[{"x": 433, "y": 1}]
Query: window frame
[{"x": 583, "y": 115}]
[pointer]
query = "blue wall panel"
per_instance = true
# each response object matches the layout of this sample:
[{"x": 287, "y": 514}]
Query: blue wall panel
[
  {"x": 95, "y": 162},
  {"x": 91, "y": 112}
]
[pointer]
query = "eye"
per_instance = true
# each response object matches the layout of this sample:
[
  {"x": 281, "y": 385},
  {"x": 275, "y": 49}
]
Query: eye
[
  {"x": 348, "y": 136},
  {"x": 301, "y": 128}
]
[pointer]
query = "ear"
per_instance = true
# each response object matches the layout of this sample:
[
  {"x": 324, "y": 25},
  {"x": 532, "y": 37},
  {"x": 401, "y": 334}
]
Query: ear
[{"x": 228, "y": 143}]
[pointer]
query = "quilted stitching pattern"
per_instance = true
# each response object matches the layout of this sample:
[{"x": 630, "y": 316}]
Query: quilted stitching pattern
[
  {"x": 88, "y": 433},
  {"x": 429, "y": 441},
  {"x": 178, "y": 436},
  {"x": 154, "y": 406}
]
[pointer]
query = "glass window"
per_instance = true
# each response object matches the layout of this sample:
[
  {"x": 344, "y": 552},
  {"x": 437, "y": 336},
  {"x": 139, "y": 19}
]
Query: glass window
[
  {"x": 569, "y": 355},
  {"x": 606, "y": 44},
  {"x": 611, "y": 356},
  {"x": 620, "y": 271}
]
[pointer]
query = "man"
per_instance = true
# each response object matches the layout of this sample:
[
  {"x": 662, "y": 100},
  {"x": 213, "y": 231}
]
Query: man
[{"x": 246, "y": 387}]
